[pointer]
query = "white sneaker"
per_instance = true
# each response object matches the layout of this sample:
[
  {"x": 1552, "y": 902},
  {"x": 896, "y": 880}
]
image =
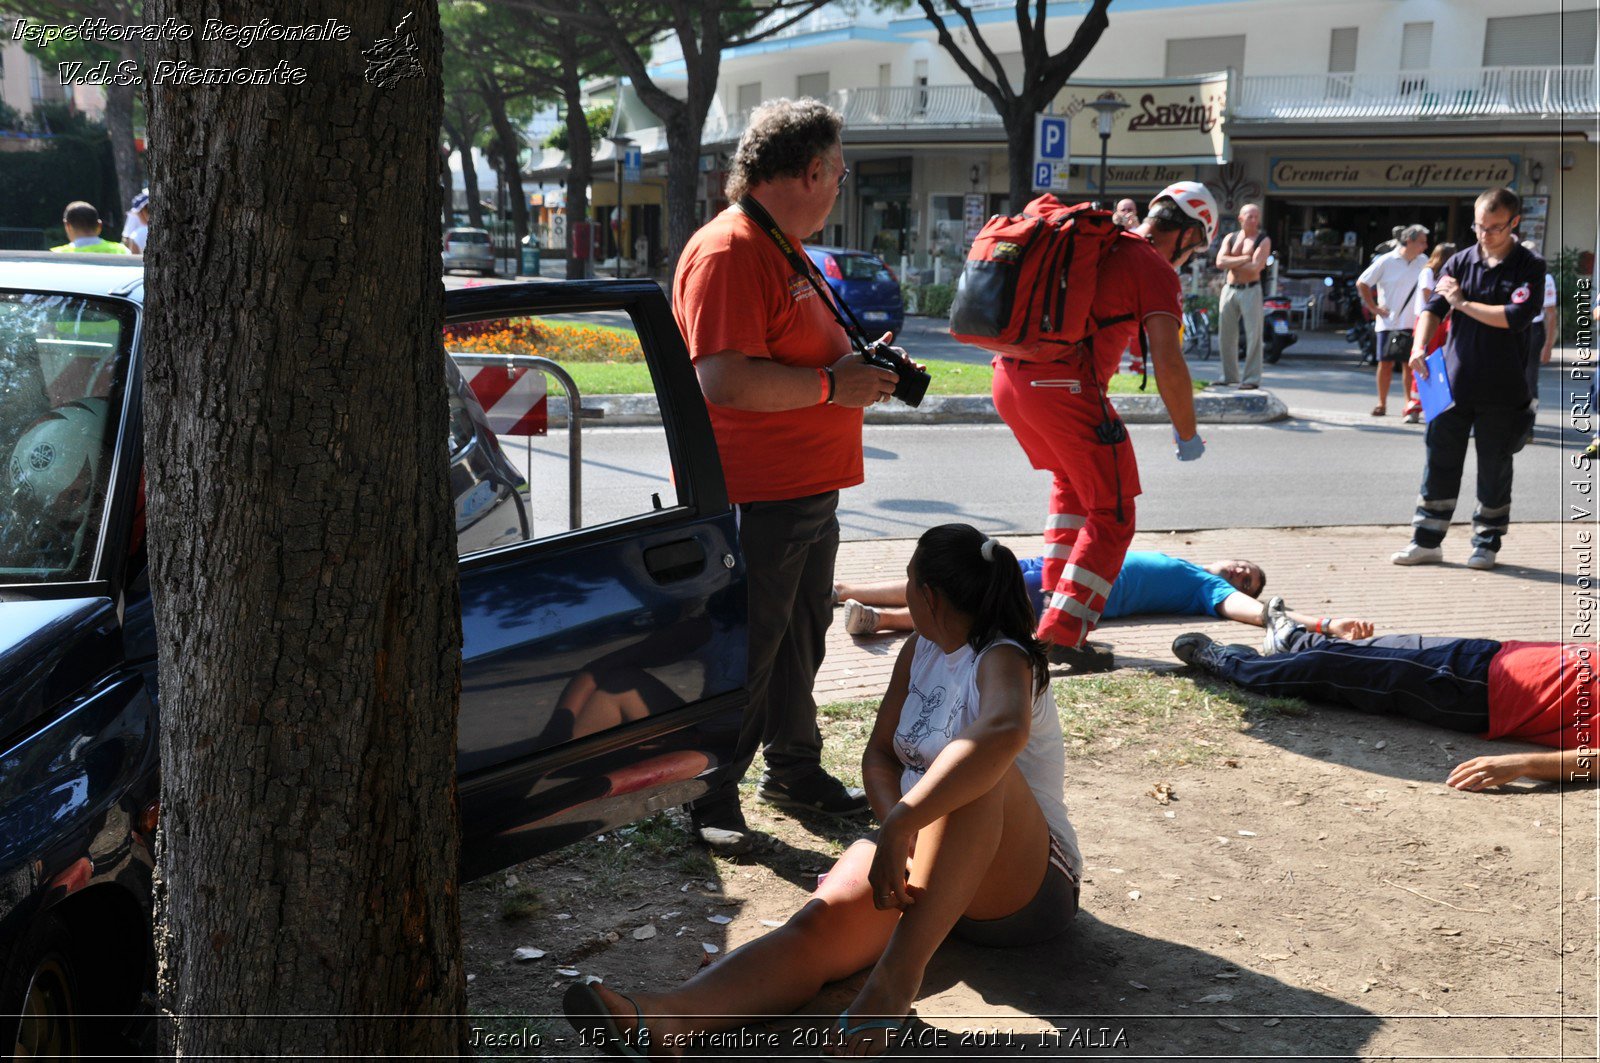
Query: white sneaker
[
  {"x": 1419, "y": 555},
  {"x": 859, "y": 619},
  {"x": 1481, "y": 559}
]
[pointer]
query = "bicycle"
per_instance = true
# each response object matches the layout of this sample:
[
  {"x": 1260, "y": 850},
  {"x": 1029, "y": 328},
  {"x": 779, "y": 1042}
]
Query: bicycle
[{"x": 1196, "y": 328}]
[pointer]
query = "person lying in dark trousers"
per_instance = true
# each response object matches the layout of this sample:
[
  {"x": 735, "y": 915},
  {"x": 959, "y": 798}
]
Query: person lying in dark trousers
[{"x": 1540, "y": 692}]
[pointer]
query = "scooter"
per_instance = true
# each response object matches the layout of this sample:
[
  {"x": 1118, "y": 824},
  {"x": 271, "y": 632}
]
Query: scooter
[{"x": 1277, "y": 337}]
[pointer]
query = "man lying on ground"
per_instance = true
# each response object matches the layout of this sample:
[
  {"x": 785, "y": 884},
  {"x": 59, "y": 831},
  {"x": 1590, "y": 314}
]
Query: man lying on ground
[
  {"x": 1527, "y": 690},
  {"x": 1150, "y": 584}
]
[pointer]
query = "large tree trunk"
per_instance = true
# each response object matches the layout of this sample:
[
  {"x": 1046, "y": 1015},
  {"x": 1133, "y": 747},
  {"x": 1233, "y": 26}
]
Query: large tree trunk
[
  {"x": 124, "y": 150},
  {"x": 580, "y": 163},
  {"x": 302, "y": 550},
  {"x": 1018, "y": 122},
  {"x": 469, "y": 182},
  {"x": 684, "y": 128},
  {"x": 510, "y": 163}
]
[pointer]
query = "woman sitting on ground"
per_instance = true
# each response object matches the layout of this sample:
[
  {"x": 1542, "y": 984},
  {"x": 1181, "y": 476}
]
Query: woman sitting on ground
[{"x": 964, "y": 769}]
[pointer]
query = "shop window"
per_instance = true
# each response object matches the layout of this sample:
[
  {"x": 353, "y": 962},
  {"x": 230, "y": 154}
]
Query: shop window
[
  {"x": 812, "y": 85},
  {"x": 1204, "y": 55},
  {"x": 1541, "y": 40}
]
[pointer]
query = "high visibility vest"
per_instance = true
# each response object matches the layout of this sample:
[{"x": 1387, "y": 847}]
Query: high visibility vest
[{"x": 99, "y": 247}]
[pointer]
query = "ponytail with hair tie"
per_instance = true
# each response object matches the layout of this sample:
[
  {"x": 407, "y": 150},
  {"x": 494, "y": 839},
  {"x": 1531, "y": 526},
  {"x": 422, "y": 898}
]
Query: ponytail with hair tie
[
  {"x": 993, "y": 594},
  {"x": 987, "y": 550}
]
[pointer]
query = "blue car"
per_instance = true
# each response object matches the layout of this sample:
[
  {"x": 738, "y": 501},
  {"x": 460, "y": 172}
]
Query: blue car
[
  {"x": 653, "y": 601},
  {"x": 866, "y": 284}
]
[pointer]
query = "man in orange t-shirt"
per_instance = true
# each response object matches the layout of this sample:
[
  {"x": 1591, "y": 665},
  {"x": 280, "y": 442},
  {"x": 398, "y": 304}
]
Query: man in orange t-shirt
[
  {"x": 1540, "y": 692},
  {"x": 785, "y": 395}
]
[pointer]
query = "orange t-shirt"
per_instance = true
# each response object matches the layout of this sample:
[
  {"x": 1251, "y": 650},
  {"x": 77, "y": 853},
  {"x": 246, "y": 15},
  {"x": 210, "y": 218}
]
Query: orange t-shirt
[
  {"x": 1544, "y": 692},
  {"x": 1137, "y": 283},
  {"x": 735, "y": 291}
]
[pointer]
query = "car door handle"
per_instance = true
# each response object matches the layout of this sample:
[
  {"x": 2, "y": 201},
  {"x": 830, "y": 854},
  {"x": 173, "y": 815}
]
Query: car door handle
[{"x": 671, "y": 562}]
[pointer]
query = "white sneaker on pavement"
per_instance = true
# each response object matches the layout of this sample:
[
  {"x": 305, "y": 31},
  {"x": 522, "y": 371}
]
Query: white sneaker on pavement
[
  {"x": 859, "y": 619},
  {"x": 1418, "y": 555},
  {"x": 1481, "y": 559}
]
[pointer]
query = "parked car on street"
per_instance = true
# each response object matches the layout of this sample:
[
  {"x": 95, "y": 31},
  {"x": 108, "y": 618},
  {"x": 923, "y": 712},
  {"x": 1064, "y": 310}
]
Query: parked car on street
[
  {"x": 654, "y": 604},
  {"x": 866, "y": 284},
  {"x": 468, "y": 249}
]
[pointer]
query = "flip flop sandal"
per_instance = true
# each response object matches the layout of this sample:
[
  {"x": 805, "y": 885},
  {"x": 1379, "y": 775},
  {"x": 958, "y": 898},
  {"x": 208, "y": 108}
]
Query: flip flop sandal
[
  {"x": 846, "y": 1031},
  {"x": 586, "y": 1011},
  {"x": 1380, "y": 411}
]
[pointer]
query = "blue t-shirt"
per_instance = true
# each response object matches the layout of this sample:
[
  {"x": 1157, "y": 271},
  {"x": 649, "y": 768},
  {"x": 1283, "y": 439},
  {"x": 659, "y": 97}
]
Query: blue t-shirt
[{"x": 1149, "y": 583}]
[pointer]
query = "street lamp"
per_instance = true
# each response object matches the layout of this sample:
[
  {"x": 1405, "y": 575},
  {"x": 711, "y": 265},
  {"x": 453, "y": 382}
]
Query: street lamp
[
  {"x": 1106, "y": 105},
  {"x": 619, "y": 146}
]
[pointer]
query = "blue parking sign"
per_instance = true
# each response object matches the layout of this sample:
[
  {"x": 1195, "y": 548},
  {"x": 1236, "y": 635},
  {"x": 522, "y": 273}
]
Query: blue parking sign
[
  {"x": 1050, "y": 137},
  {"x": 1041, "y": 176}
]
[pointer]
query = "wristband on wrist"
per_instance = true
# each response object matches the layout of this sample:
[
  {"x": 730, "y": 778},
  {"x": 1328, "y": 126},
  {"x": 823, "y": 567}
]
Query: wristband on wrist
[
  {"x": 824, "y": 388},
  {"x": 827, "y": 399}
]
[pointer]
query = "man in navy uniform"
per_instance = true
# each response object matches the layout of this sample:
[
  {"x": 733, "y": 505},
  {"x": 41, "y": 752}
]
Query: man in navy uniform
[{"x": 1493, "y": 289}]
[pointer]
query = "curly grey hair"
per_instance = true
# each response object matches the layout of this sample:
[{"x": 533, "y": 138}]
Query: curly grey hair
[{"x": 781, "y": 140}]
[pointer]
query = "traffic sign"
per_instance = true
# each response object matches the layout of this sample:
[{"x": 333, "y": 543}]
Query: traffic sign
[
  {"x": 1050, "y": 137},
  {"x": 632, "y": 163}
]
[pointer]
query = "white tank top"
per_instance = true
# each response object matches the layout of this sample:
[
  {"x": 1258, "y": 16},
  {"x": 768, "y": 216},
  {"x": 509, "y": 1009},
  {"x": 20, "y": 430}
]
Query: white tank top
[{"x": 943, "y": 700}]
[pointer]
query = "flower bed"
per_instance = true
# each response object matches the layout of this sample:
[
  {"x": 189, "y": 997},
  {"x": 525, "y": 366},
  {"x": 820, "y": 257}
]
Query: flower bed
[{"x": 557, "y": 341}]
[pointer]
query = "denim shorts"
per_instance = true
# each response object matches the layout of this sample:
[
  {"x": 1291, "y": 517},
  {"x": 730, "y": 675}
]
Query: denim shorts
[{"x": 1048, "y": 915}]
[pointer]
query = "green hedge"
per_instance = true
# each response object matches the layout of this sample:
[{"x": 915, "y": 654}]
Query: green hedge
[
  {"x": 933, "y": 300},
  {"x": 38, "y": 184}
]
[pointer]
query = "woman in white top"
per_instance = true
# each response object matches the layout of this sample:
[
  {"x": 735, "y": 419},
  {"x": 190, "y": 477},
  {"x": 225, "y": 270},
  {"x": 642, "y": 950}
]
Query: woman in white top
[{"x": 964, "y": 770}]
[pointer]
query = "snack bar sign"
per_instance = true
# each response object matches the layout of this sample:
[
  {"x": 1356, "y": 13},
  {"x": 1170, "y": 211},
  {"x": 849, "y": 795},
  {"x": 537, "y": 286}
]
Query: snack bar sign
[{"x": 1171, "y": 120}]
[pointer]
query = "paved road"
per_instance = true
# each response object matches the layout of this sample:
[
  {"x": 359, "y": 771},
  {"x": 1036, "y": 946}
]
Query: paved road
[{"x": 1330, "y": 464}]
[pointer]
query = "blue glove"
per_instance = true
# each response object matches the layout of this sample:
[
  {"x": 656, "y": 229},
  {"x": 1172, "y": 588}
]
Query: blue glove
[{"x": 1189, "y": 449}]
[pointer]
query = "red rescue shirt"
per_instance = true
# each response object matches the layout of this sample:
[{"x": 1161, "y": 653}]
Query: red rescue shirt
[
  {"x": 1544, "y": 692},
  {"x": 1135, "y": 281},
  {"x": 735, "y": 291}
]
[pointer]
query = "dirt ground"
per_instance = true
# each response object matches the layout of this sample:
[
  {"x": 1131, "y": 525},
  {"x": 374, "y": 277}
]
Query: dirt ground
[{"x": 1312, "y": 890}]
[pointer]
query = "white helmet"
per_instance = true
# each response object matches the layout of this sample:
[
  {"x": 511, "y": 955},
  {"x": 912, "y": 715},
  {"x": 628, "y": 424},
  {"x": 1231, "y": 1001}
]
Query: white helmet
[
  {"x": 1195, "y": 200},
  {"x": 55, "y": 464}
]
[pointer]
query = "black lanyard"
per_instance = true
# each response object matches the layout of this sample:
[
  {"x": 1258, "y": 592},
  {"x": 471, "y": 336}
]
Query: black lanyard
[{"x": 804, "y": 266}]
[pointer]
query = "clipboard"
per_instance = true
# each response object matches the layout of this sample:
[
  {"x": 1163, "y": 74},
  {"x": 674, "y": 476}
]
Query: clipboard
[{"x": 1435, "y": 391}]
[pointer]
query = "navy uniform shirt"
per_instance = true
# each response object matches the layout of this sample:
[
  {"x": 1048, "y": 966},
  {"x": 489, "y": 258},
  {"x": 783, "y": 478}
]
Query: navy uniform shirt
[{"x": 1488, "y": 365}]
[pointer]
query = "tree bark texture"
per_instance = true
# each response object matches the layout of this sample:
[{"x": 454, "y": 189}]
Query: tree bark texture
[{"x": 302, "y": 548}]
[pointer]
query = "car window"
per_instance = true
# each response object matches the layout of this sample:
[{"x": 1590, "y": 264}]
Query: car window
[
  {"x": 862, "y": 268},
  {"x": 62, "y": 364},
  {"x": 469, "y": 238},
  {"x": 626, "y": 469}
]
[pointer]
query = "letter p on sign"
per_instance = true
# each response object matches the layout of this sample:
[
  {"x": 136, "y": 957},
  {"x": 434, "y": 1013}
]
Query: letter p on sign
[{"x": 1050, "y": 137}]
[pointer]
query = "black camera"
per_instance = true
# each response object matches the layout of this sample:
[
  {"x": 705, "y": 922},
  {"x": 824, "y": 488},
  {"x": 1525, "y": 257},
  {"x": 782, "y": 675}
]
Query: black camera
[{"x": 913, "y": 382}]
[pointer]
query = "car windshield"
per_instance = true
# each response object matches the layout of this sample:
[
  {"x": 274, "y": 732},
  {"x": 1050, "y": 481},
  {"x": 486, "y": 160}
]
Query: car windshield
[
  {"x": 469, "y": 238},
  {"x": 62, "y": 365},
  {"x": 862, "y": 268}
]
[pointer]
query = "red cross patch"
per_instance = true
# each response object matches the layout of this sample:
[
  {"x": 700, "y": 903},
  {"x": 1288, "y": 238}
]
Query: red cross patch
[{"x": 1521, "y": 294}]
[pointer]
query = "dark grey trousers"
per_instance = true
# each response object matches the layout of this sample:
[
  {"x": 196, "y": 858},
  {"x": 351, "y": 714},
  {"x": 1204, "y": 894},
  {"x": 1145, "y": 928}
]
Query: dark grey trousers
[{"x": 789, "y": 550}]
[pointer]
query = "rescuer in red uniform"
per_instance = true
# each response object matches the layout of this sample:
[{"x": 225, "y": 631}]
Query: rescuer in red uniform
[{"x": 1066, "y": 425}]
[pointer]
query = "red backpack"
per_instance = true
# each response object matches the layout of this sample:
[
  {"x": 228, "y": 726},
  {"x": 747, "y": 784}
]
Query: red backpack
[{"x": 1028, "y": 285}]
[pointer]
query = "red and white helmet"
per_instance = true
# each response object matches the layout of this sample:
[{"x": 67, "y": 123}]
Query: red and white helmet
[{"x": 1195, "y": 200}]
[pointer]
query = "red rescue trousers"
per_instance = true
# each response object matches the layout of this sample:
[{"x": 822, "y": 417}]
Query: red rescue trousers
[{"x": 1054, "y": 409}]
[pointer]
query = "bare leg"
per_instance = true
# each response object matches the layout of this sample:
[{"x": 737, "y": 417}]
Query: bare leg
[
  {"x": 836, "y": 933},
  {"x": 889, "y": 593},
  {"x": 1385, "y": 375},
  {"x": 965, "y": 867},
  {"x": 963, "y": 863},
  {"x": 894, "y": 620}
]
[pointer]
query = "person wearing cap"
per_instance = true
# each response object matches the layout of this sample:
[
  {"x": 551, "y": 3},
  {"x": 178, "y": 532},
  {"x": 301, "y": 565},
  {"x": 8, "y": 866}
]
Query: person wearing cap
[
  {"x": 1063, "y": 421},
  {"x": 82, "y": 223},
  {"x": 136, "y": 230},
  {"x": 1244, "y": 255},
  {"x": 1387, "y": 288}
]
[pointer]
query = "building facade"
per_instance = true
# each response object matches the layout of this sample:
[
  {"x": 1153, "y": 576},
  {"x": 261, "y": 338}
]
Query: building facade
[{"x": 1344, "y": 117}]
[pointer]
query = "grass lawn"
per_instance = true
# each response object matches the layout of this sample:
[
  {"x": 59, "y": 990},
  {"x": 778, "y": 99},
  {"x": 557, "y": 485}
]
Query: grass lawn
[{"x": 949, "y": 378}]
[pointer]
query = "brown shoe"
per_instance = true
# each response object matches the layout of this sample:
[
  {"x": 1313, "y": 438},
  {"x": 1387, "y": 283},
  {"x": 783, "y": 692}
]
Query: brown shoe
[{"x": 1379, "y": 411}]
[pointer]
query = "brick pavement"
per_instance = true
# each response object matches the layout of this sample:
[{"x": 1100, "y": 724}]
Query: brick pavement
[{"x": 1317, "y": 570}]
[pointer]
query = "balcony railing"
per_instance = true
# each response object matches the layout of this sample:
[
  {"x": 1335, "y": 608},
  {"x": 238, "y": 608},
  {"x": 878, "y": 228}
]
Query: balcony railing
[
  {"x": 1472, "y": 92},
  {"x": 931, "y": 105}
]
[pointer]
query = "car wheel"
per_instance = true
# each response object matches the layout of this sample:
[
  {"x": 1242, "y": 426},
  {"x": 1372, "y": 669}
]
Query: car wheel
[{"x": 39, "y": 994}]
